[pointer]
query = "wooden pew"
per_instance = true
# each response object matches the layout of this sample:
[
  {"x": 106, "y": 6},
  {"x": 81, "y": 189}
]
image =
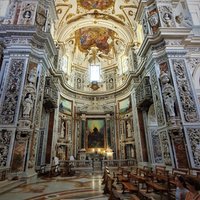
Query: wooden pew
[
  {"x": 109, "y": 187},
  {"x": 129, "y": 186},
  {"x": 141, "y": 175},
  {"x": 122, "y": 175},
  {"x": 194, "y": 172},
  {"x": 177, "y": 172},
  {"x": 159, "y": 181},
  {"x": 106, "y": 172}
]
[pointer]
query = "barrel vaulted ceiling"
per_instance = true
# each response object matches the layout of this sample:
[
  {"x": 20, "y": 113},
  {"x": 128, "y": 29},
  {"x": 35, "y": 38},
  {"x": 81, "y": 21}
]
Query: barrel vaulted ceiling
[{"x": 100, "y": 31}]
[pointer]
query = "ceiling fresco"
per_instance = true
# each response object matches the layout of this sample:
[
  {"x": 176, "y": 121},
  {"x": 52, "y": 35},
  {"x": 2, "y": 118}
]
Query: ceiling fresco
[
  {"x": 99, "y": 37},
  {"x": 96, "y": 4}
]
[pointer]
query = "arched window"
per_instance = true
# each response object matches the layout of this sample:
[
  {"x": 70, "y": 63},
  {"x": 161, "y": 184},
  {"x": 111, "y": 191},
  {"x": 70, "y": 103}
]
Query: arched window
[{"x": 95, "y": 72}]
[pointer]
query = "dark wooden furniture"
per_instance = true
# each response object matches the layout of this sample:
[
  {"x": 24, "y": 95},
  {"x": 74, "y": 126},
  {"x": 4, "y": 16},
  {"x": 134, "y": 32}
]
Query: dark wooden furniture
[
  {"x": 129, "y": 186},
  {"x": 141, "y": 175},
  {"x": 109, "y": 187},
  {"x": 159, "y": 181}
]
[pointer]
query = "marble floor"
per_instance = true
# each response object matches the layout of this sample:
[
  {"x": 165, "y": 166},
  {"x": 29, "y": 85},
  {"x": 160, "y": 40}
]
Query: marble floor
[{"x": 85, "y": 186}]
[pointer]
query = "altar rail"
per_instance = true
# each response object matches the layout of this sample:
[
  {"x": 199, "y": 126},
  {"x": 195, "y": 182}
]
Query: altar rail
[
  {"x": 90, "y": 164},
  {"x": 119, "y": 163}
]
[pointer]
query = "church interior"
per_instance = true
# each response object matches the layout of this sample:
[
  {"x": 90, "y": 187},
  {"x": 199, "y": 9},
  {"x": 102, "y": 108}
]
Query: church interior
[{"x": 99, "y": 99}]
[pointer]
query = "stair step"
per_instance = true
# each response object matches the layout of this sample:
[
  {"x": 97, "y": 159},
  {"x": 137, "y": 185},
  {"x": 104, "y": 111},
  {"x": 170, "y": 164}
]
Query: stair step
[{"x": 9, "y": 185}]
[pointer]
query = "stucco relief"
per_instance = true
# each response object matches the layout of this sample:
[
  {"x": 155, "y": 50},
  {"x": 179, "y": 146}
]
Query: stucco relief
[
  {"x": 5, "y": 138},
  {"x": 165, "y": 148},
  {"x": 153, "y": 19},
  {"x": 10, "y": 101},
  {"x": 39, "y": 102},
  {"x": 194, "y": 139},
  {"x": 145, "y": 26},
  {"x": 29, "y": 92},
  {"x": 41, "y": 17},
  {"x": 182, "y": 16},
  {"x": 156, "y": 98},
  {"x": 185, "y": 91},
  {"x": 27, "y": 13},
  {"x": 156, "y": 145},
  {"x": 167, "y": 16},
  {"x": 194, "y": 64},
  {"x": 168, "y": 92},
  {"x": 36, "y": 121},
  {"x": 10, "y": 14}
]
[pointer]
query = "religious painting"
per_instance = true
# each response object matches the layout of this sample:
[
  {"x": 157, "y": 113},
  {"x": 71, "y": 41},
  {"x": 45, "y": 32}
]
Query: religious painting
[
  {"x": 90, "y": 38},
  {"x": 96, "y": 132},
  {"x": 65, "y": 106},
  {"x": 125, "y": 105},
  {"x": 96, "y": 4}
]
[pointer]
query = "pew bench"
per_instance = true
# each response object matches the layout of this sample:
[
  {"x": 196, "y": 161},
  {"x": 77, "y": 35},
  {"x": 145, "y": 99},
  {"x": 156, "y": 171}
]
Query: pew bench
[
  {"x": 110, "y": 189},
  {"x": 141, "y": 175},
  {"x": 159, "y": 182},
  {"x": 122, "y": 176},
  {"x": 130, "y": 187}
]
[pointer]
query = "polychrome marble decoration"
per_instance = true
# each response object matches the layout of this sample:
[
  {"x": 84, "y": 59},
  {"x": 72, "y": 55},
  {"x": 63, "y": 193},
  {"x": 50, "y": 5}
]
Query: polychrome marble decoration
[
  {"x": 157, "y": 152},
  {"x": 9, "y": 105},
  {"x": 5, "y": 137},
  {"x": 187, "y": 98},
  {"x": 19, "y": 156},
  {"x": 96, "y": 4},
  {"x": 98, "y": 37},
  {"x": 194, "y": 141},
  {"x": 153, "y": 20}
]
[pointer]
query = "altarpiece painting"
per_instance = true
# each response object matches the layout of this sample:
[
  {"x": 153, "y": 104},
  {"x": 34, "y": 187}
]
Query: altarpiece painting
[{"x": 96, "y": 133}]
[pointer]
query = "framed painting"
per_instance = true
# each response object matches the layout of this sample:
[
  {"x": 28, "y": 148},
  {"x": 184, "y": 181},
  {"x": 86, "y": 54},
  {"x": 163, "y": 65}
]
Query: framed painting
[
  {"x": 125, "y": 105},
  {"x": 65, "y": 106},
  {"x": 96, "y": 132}
]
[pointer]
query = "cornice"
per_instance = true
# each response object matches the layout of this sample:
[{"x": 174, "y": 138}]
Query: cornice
[
  {"x": 68, "y": 88},
  {"x": 163, "y": 33},
  {"x": 39, "y": 38}
]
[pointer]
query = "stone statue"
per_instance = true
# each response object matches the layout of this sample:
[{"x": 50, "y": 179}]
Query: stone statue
[
  {"x": 168, "y": 94},
  {"x": 128, "y": 126},
  {"x": 169, "y": 103},
  {"x": 27, "y": 105},
  {"x": 62, "y": 133},
  {"x": 32, "y": 76}
]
